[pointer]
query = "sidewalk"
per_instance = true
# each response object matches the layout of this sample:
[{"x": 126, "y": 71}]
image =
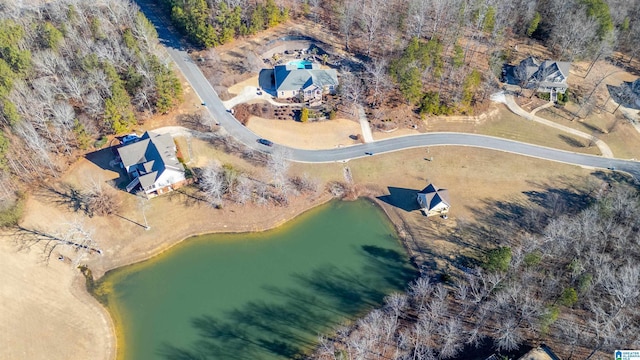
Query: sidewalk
[
  {"x": 364, "y": 124},
  {"x": 516, "y": 109}
]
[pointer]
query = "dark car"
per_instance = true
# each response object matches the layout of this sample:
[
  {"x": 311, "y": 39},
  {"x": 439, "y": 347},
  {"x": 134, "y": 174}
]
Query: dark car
[{"x": 265, "y": 142}]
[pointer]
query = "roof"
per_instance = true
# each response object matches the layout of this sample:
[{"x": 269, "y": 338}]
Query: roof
[
  {"x": 627, "y": 94},
  {"x": 549, "y": 73},
  {"x": 543, "y": 352},
  {"x": 150, "y": 156},
  {"x": 635, "y": 86},
  {"x": 434, "y": 196},
  {"x": 289, "y": 77}
]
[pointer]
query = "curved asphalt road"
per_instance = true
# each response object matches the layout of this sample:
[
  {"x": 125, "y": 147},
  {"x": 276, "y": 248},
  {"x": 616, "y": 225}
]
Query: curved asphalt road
[{"x": 208, "y": 95}]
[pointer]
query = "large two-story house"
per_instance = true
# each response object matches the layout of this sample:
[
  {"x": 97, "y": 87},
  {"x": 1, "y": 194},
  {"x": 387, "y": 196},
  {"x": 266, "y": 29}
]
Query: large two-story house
[
  {"x": 547, "y": 77},
  {"x": 304, "y": 80},
  {"x": 152, "y": 164}
]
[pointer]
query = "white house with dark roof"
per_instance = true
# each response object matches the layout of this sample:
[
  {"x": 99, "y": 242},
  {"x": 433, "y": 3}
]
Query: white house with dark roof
[
  {"x": 152, "y": 164},
  {"x": 434, "y": 201},
  {"x": 548, "y": 76},
  {"x": 309, "y": 82}
]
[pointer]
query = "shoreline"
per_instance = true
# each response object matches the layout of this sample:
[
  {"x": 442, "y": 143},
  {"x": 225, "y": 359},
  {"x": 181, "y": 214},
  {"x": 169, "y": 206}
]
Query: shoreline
[
  {"x": 167, "y": 245},
  {"x": 115, "y": 317},
  {"x": 111, "y": 318}
]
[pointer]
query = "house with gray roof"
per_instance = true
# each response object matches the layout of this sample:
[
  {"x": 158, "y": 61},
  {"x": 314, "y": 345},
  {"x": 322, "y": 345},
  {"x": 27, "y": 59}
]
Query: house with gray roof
[
  {"x": 627, "y": 94},
  {"x": 548, "y": 76},
  {"x": 306, "y": 81},
  {"x": 434, "y": 201},
  {"x": 152, "y": 164}
]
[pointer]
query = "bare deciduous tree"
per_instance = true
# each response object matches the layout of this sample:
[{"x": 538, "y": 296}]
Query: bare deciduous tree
[
  {"x": 212, "y": 183},
  {"x": 278, "y": 167},
  {"x": 100, "y": 200}
]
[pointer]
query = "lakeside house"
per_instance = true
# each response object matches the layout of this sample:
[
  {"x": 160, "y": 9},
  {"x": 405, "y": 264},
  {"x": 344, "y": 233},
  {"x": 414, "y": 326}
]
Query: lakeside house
[
  {"x": 434, "y": 201},
  {"x": 304, "y": 79},
  {"x": 547, "y": 77},
  {"x": 152, "y": 164}
]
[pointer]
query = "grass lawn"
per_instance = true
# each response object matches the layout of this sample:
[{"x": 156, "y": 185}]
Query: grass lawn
[
  {"x": 507, "y": 125},
  {"x": 618, "y": 133}
]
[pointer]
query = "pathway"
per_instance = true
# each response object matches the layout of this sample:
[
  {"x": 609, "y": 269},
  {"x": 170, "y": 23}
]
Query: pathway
[
  {"x": 547, "y": 105},
  {"x": 364, "y": 124},
  {"x": 516, "y": 109}
]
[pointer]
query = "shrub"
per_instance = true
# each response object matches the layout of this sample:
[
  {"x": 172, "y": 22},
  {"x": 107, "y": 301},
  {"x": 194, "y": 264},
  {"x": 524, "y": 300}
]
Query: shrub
[
  {"x": 332, "y": 114},
  {"x": 304, "y": 115},
  {"x": 498, "y": 259},
  {"x": 544, "y": 96},
  {"x": 100, "y": 142},
  {"x": 533, "y": 25},
  {"x": 563, "y": 98},
  {"x": 569, "y": 297},
  {"x": 532, "y": 258},
  {"x": 549, "y": 317},
  {"x": 10, "y": 215},
  {"x": 584, "y": 282}
]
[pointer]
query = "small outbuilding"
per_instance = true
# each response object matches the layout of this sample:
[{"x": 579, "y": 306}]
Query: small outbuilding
[{"x": 434, "y": 201}]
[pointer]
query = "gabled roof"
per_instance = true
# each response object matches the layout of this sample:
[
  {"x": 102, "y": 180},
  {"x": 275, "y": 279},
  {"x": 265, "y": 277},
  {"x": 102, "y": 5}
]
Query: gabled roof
[
  {"x": 635, "y": 87},
  {"x": 434, "y": 196},
  {"x": 529, "y": 66},
  {"x": 150, "y": 156},
  {"x": 548, "y": 73},
  {"x": 290, "y": 77},
  {"x": 627, "y": 94}
]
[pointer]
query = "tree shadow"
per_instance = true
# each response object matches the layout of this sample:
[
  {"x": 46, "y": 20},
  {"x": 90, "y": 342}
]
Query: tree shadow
[
  {"x": 287, "y": 328},
  {"x": 64, "y": 195},
  {"x": 401, "y": 198},
  {"x": 591, "y": 128},
  {"x": 571, "y": 141},
  {"x": 497, "y": 220}
]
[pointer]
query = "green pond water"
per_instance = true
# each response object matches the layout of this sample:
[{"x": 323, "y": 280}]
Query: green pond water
[{"x": 258, "y": 296}]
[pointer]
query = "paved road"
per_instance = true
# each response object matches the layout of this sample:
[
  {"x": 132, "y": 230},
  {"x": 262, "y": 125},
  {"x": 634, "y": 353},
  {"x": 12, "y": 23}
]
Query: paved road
[{"x": 215, "y": 106}]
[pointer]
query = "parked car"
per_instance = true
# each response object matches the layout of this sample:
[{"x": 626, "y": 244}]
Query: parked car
[
  {"x": 128, "y": 139},
  {"x": 265, "y": 142}
]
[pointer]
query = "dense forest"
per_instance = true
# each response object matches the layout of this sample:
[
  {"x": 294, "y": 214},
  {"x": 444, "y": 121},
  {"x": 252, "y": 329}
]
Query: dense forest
[
  {"x": 214, "y": 23},
  {"x": 71, "y": 72},
  {"x": 570, "y": 279}
]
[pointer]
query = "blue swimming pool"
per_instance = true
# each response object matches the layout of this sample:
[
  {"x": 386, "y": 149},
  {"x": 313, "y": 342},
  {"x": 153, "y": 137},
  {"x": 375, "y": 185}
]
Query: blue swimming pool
[{"x": 301, "y": 64}]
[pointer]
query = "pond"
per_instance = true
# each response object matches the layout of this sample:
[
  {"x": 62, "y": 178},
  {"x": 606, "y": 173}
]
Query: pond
[{"x": 260, "y": 295}]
